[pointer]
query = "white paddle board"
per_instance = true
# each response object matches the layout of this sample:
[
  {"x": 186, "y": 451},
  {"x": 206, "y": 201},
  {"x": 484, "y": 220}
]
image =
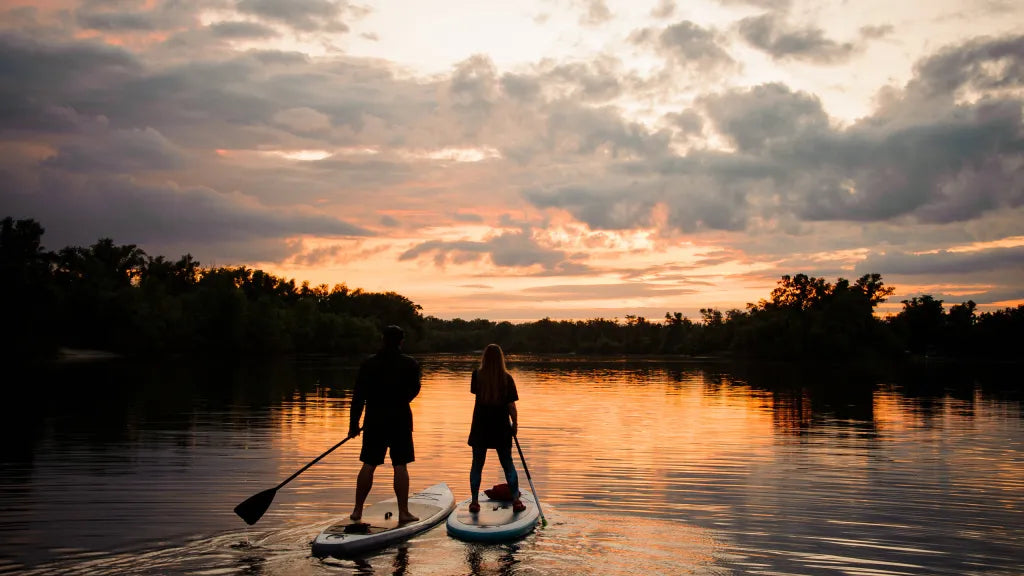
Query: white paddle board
[
  {"x": 495, "y": 522},
  {"x": 379, "y": 525}
]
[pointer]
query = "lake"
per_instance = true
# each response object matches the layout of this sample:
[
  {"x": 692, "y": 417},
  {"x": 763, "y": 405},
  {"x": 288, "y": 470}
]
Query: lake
[{"x": 641, "y": 467}]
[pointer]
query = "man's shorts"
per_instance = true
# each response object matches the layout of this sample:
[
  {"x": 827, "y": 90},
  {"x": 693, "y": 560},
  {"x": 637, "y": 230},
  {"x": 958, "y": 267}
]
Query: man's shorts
[{"x": 376, "y": 444}]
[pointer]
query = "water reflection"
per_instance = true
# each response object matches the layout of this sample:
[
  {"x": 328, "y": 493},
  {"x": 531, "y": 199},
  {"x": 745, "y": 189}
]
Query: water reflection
[
  {"x": 642, "y": 466},
  {"x": 481, "y": 562}
]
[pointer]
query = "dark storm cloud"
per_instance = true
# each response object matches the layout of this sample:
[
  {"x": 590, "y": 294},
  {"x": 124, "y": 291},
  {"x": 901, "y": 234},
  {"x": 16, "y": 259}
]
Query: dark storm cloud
[
  {"x": 509, "y": 249},
  {"x": 782, "y": 41}
]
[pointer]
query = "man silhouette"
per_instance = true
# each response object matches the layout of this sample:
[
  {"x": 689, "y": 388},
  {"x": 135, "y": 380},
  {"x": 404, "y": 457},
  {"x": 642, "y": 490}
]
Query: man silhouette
[{"x": 386, "y": 384}]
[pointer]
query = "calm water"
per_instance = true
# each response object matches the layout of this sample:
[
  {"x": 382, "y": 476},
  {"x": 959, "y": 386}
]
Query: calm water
[{"x": 641, "y": 467}]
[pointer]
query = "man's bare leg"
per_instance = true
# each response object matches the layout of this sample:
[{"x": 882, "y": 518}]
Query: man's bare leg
[
  {"x": 402, "y": 494},
  {"x": 363, "y": 484}
]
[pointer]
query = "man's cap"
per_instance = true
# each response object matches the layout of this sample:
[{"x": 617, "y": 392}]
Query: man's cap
[{"x": 393, "y": 334}]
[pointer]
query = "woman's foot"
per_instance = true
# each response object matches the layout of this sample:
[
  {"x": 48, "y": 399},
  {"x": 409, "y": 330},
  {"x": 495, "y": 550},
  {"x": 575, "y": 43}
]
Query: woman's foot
[
  {"x": 474, "y": 507},
  {"x": 405, "y": 518},
  {"x": 518, "y": 506}
]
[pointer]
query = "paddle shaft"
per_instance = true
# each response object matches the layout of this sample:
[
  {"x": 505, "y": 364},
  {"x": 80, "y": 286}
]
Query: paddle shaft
[
  {"x": 530, "y": 480},
  {"x": 315, "y": 460}
]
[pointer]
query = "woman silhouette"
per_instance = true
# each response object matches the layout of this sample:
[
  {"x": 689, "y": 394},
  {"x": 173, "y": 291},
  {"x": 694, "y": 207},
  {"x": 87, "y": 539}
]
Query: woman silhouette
[{"x": 495, "y": 405}]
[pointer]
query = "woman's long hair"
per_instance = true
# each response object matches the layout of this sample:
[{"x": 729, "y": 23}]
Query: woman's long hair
[{"x": 492, "y": 376}]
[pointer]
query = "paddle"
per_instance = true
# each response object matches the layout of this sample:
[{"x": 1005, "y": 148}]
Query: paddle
[
  {"x": 543, "y": 521},
  {"x": 253, "y": 508}
]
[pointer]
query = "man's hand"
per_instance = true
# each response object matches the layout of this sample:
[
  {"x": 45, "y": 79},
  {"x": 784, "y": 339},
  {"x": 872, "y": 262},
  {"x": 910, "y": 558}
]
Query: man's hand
[
  {"x": 354, "y": 431},
  {"x": 515, "y": 428}
]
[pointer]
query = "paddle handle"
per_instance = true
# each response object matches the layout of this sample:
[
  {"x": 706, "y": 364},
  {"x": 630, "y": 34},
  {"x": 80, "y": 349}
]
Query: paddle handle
[
  {"x": 315, "y": 460},
  {"x": 530, "y": 480}
]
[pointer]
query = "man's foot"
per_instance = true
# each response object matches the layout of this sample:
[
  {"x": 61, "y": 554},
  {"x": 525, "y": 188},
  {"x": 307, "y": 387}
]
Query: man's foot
[
  {"x": 356, "y": 516},
  {"x": 518, "y": 506},
  {"x": 474, "y": 507},
  {"x": 406, "y": 518}
]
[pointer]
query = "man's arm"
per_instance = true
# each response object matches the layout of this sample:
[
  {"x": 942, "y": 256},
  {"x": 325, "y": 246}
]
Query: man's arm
[{"x": 414, "y": 380}]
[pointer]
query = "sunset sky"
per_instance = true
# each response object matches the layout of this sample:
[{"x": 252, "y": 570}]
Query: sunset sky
[{"x": 516, "y": 160}]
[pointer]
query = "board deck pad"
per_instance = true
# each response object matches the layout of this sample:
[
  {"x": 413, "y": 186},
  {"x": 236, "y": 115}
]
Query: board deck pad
[
  {"x": 492, "y": 513},
  {"x": 381, "y": 517},
  {"x": 379, "y": 525},
  {"x": 495, "y": 522}
]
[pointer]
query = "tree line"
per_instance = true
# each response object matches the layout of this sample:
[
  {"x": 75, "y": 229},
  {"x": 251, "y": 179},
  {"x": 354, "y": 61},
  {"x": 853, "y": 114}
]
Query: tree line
[{"x": 118, "y": 298}]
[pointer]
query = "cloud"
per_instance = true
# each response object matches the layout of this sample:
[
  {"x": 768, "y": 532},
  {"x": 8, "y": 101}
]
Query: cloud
[
  {"x": 242, "y": 30},
  {"x": 772, "y": 35},
  {"x": 303, "y": 120},
  {"x": 576, "y": 292},
  {"x": 335, "y": 254},
  {"x": 124, "y": 17},
  {"x": 874, "y": 32},
  {"x": 302, "y": 15},
  {"x": 687, "y": 44},
  {"x": 592, "y": 81},
  {"x": 77, "y": 212},
  {"x": 595, "y": 13},
  {"x": 687, "y": 121},
  {"x": 517, "y": 249},
  {"x": 756, "y": 118},
  {"x": 923, "y": 156},
  {"x": 946, "y": 263},
  {"x": 118, "y": 151},
  {"x": 39, "y": 78},
  {"x": 980, "y": 65},
  {"x": 779, "y": 5},
  {"x": 664, "y": 10}
]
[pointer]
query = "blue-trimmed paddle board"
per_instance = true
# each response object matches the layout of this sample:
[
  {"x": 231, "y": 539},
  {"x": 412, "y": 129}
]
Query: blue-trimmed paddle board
[
  {"x": 379, "y": 525},
  {"x": 495, "y": 522}
]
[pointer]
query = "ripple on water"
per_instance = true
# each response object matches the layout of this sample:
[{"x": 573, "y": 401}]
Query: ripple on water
[{"x": 569, "y": 544}]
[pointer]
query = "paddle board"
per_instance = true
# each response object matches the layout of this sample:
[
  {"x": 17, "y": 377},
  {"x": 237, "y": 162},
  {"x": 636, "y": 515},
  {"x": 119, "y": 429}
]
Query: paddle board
[
  {"x": 379, "y": 525},
  {"x": 495, "y": 522}
]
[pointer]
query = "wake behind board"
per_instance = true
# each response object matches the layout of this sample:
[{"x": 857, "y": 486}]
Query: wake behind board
[
  {"x": 495, "y": 522},
  {"x": 379, "y": 525}
]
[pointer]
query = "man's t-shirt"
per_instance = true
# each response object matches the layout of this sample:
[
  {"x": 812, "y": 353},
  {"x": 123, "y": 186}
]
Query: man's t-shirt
[{"x": 386, "y": 384}]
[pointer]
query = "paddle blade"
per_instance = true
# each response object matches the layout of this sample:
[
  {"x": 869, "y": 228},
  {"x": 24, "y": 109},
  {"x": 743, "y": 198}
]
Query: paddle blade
[{"x": 252, "y": 509}]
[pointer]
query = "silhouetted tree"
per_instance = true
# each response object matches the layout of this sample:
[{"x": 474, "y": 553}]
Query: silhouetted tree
[{"x": 27, "y": 293}]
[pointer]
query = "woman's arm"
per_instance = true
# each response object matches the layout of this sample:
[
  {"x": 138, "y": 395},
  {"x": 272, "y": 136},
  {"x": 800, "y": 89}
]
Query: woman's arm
[{"x": 515, "y": 417}]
